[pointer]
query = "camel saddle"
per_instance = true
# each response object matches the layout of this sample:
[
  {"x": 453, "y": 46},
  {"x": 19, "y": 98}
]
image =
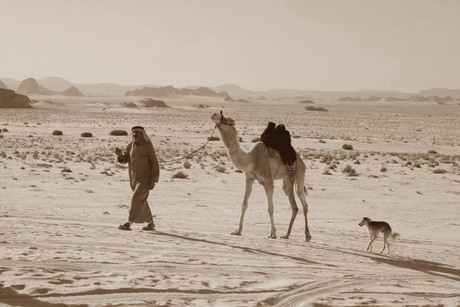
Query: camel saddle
[{"x": 278, "y": 138}]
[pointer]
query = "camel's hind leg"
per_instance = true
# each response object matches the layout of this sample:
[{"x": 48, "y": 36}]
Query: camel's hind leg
[
  {"x": 244, "y": 204},
  {"x": 269, "y": 187},
  {"x": 301, "y": 194},
  {"x": 288, "y": 188}
]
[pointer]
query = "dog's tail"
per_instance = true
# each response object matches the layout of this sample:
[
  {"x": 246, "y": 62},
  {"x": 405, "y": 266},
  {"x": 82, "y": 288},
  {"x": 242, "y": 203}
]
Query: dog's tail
[{"x": 394, "y": 235}]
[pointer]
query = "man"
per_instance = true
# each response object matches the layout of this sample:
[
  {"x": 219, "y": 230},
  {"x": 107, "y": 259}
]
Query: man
[{"x": 144, "y": 172}]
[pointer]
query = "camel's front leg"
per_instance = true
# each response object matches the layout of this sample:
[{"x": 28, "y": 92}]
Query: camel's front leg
[
  {"x": 288, "y": 188},
  {"x": 244, "y": 204},
  {"x": 269, "y": 193}
]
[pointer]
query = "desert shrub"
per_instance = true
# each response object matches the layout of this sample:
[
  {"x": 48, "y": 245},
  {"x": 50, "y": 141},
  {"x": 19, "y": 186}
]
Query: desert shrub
[
  {"x": 180, "y": 175},
  {"x": 349, "y": 170},
  {"x": 439, "y": 171},
  {"x": 118, "y": 132},
  {"x": 187, "y": 165},
  {"x": 383, "y": 169},
  {"x": 347, "y": 147},
  {"x": 129, "y": 105},
  {"x": 57, "y": 132},
  {"x": 220, "y": 168},
  {"x": 213, "y": 138},
  {"x": 327, "y": 171},
  {"x": 86, "y": 135},
  {"x": 322, "y": 141},
  {"x": 201, "y": 106},
  {"x": 432, "y": 152},
  {"x": 5, "y": 130}
]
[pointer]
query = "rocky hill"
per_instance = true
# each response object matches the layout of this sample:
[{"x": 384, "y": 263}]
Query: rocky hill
[
  {"x": 31, "y": 86},
  {"x": 3, "y": 85},
  {"x": 9, "y": 99},
  {"x": 72, "y": 91}
]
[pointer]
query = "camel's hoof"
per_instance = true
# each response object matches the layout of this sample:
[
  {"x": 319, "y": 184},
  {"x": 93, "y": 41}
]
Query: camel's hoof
[
  {"x": 272, "y": 236},
  {"x": 307, "y": 238},
  {"x": 236, "y": 233},
  {"x": 284, "y": 237}
]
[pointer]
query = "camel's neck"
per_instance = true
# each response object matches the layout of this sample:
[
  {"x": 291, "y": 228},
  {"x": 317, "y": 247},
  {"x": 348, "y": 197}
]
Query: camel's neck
[{"x": 230, "y": 139}]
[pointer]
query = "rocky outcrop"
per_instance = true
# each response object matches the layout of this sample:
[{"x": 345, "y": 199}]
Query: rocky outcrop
[
  {"x": 72, "y": 91},
  {"x": 9, "y": 99},
  {"x": 30, "y": 86},
  {"x": 152, "y": 103},
  {"x": 3, "y": 85}
]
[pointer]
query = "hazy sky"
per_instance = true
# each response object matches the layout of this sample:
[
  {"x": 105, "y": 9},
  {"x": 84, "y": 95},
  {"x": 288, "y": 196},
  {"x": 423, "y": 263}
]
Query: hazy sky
[{"x": 406, "y": 45}]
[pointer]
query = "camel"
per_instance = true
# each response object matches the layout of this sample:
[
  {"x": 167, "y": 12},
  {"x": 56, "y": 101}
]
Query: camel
[{"x": 258, "y": 164}]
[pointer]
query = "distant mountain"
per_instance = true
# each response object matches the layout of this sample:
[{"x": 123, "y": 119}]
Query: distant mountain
[
  {"x": 11, "y": 83},
  {"x": 56, "y": 84},
  {"x": 9, "y": 99},
  {"x": 168, "y": 91},
  {"x": 440, "y": 92},
  {"x": 236, "y": 91},
  {"x": 106, "y": 89}
]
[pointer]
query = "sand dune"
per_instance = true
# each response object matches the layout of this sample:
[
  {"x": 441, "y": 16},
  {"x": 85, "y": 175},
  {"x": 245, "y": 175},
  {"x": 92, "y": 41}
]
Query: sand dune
[{"x": 62, "y": 198}]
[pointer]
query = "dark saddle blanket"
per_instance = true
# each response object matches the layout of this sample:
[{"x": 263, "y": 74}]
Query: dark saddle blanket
[{"x": 277, "y": 137}]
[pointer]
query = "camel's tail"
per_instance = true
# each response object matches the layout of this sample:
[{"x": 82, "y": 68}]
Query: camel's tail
[{"x": 394, "y": 235}]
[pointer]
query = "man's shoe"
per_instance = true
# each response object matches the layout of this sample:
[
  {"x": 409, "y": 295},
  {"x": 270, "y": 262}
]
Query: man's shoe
[
  {"x": 125, "y": 226},
  {"x": 150, "y": 226}
]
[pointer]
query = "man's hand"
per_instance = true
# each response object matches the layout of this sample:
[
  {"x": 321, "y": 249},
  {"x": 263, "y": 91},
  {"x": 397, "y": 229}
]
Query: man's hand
[{"x": 118, "y": 152}]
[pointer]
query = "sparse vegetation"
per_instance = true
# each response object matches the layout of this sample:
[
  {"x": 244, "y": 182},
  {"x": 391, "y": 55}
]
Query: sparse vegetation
[
  {"x": 316, "y": 109},
  {"x": 86, "y": 135},
  {"x": 347, "y": 147},
  {"x": 180, "y": 175},
  {"x": 57, "y": 132},
  {"x": 118, "y": 132},
  {"x": 350, "y": 171}
]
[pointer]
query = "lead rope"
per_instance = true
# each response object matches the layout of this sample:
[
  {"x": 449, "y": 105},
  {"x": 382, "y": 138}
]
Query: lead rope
[{"x": 193, "y": 152}]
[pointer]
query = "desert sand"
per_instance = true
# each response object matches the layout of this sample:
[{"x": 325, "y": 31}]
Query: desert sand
[{"x": 63, "y": 197}]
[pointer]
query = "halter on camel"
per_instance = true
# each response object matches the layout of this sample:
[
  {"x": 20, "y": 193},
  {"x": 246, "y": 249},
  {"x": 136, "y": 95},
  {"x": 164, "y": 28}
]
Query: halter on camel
[{"x": 226, "y": 121}]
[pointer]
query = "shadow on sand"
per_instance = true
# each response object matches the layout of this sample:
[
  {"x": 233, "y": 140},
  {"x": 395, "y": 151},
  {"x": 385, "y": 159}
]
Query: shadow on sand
[
  {"x": 10, "y": 297},
  {"x": 243, "y": 248}
]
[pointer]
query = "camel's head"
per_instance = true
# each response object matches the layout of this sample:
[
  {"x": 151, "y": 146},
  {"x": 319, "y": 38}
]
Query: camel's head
[
  {"x": 220, "y": 119},
  {"x": 365, "y": 221}
]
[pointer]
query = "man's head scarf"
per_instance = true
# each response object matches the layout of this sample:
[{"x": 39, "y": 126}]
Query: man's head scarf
[{"x": 144, "y": 134}]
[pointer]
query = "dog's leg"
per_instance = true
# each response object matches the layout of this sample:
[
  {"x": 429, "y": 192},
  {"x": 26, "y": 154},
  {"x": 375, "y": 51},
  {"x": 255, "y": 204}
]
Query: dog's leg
[
  {"x": 386, "y": 234},
  {"x": 369, "y": 247}
]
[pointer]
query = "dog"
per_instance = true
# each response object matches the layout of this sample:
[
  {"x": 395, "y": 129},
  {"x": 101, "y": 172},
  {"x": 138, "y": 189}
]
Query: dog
[{"x": 374, "y": 229}]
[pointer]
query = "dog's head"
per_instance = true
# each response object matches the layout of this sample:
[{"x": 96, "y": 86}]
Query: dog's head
[{"x": 365, "y": 221}]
